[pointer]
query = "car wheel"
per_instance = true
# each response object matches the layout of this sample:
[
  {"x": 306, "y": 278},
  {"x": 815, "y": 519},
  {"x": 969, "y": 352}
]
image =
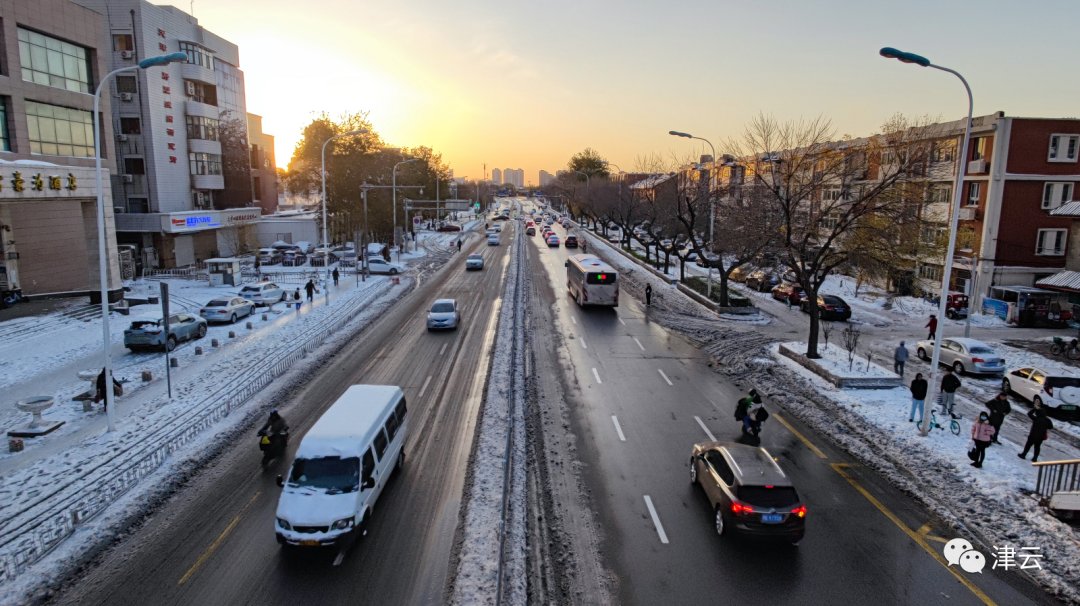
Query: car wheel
[
  {"x": 170, "y": 343},
  {"x": 232, "y": 318},
  {"x": 719, "y": 521},
  {"x": 400, "y": 460},
  {"x": 922, "y": 354},
  {"x": 1005, "y": 386},
  {"x": 202, "y": 332},
  {"x": 393, "y": 271},
  {"x": 958, "y": 368},
  {"x": 693, "y": 472}
]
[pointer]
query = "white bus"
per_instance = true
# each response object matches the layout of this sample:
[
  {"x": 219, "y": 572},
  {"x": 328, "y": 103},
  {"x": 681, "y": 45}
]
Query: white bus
[{"x": 591, "y": 281}]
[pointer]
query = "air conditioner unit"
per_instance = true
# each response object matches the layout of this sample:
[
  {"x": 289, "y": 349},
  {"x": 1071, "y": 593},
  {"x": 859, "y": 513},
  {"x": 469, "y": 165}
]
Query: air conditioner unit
[
  {"x": 967, "y": 214},
  {"x": 189, "y": 87},
  {"x": 121, "y": 138},
  {"x": 977, "y": 166},
  {"x": 127, "y": 54},
  {"x": 127, "y": 178},
  {"x": 126, "y": 97}
]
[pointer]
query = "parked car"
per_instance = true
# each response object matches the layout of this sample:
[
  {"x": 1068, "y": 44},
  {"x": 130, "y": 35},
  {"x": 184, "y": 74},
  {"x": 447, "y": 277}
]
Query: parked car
[
  {"x": 570, "y": 242},
  {"x": 1058, "y": 394},
  {"x": 322, "y": 257},
  {"x": 443, "y": 315},
  {"x": 553, "y": 241},
  {"x": 762, "y": 280},
  {"x": 748, "y": 492},
  {"x": 347, "y": 257},
  {"x": 741, "y": 273},
  {"x": 227, "y": 309},
  {"x": 447, "y": 226},
  {"x": 293, "y": 258},
  {"x": 830, "y": 307},
  {"x": 269, "y": 256},
  {"x": 263, "y": 293},
  {"x": 708, "y": 259},
  {"x": 964, "y": 355},
  {"x": 474, "y": 261},
  {"x": 150, "y": 333},
  {"x": 789, "y": 293},
  {"x": 956, "y": 306},
  {"x": 377, "y": 265}
]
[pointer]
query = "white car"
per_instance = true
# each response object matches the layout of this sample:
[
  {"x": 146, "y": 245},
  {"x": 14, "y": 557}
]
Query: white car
[
  {"x": 443, "y": 315},
  {"x": 227, "y": 309},
  {"x": 964, "y": 355},
  {"x": 377, "y": 265},
  {"x": 1060, "y": 395},
  {"x": 493, "y": 240},
  {"x": 263, "y": 293}
]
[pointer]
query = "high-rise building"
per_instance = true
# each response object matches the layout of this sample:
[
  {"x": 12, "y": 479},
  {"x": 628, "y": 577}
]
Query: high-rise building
[
  {"x": 264, "y": 185},
  {"x": 545, "y": 178},
  {"x": 51, "y": 59},
  {"x": 184, "y": 187},
  {"x": 496, "y": 176}
]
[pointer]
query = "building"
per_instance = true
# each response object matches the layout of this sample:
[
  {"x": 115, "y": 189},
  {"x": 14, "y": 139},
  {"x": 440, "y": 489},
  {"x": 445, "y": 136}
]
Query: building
[
  {"x": 184, "y": 186},
  {"x": 496, "y": 176},
  {"x": 52, "y": 60},
  {"x": 545, "y": 178},
  {"x": 264, "y": 181},
  {"x": 513, "y": 176}
]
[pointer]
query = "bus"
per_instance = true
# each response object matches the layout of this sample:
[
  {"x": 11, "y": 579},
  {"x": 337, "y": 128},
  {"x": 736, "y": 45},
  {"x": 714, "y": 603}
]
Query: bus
[{"x": 591, "y": 281}]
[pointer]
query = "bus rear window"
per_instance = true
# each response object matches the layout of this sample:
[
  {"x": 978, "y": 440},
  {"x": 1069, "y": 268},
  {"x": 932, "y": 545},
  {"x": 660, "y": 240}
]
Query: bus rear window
[{"x": 600, "y": 278}]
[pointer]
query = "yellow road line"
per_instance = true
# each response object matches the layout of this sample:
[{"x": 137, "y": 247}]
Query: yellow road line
[
  {"x": 915, "y": 536},
  {"x": 797, "y": 434},
  {"x": 217, "y": 542},
  {"x": 924, "y": 530}
]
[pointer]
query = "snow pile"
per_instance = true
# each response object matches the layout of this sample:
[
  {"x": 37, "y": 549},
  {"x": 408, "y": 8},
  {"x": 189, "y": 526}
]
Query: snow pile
[
  {"x": 493, "y": 540},
  {"x": 835, "y": 360}
]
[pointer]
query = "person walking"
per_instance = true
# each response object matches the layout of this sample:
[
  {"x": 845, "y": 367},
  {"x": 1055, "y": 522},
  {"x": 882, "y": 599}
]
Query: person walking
[
  {"x": 310, "y": 288},
  {"x": 296, "y": 300},
  {"x": 742, "y": 410},
  {"x": 949, "y": 384},
  {"x": 932, "y": 327},
  {"x": 648, "y": 295},
  {"x": 999, "y": 409},
  {"x": 900, "y": 357},
  {"x": 919, "y": 387},
  {"x": 335, "y": 276},
  {"x": 459, "y": 244},
  {"x": 982, "y": 432},
  {"x": 118, "y": 390},
  {"x": 1040, "y": 430}
]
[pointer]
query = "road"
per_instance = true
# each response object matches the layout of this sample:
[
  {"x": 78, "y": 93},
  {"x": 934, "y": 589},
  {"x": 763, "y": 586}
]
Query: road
[
  {"x": 213, "y": 542},
  {"x": 639, "y": 396}
]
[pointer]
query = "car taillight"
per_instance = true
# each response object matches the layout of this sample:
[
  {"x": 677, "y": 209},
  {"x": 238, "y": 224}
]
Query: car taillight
[
  {"x": 829, "y": 308},
  {"x": 978, "y": 360},
  {"x": 800, "y": 511},
  {"x": 738, "y": 508}
]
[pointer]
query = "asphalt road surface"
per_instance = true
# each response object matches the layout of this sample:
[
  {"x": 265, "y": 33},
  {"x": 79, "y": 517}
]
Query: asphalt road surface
[
  {"x": 213, "y": 542},
  {"x": 641, "y": 396}
]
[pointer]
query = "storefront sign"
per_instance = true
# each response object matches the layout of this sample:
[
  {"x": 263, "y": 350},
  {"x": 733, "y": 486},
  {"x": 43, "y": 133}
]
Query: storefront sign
[
  {"x": 211, "y": 219},
  {"x": 17, "y": 181}
]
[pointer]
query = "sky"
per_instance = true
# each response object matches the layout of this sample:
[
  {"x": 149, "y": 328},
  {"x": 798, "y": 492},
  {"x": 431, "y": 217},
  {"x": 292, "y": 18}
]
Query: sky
[{"x": 514, "y": 84}]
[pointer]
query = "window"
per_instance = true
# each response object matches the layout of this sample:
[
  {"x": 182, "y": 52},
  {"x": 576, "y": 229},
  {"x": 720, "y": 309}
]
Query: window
[
  {"x": 973, "y": 193},
  {"x": 943, "y": 151},
  {"x": 978, "y": 148},
  {"x": 198, "y": 55},
  {"x": 5, "y": 143},
  {"x": 123, "y": 42},
  {"x": 391, "y": 426},
  {"x": 53, "y": 62},
  {"x": 940, "y": 193},
  {"x": 1056, "y": 194},
  {"x": 203, "y": 93},
  {"x": 717, "y": 462},
  {"x": 380, "y": 444},
  {"x": 399, "y": 412},
  {"x": 127, "y": 84},
  {"x": 199, "y": 127},
  {"x": 931, "y": 234},
  {"x": 134, "y": 166},
  {"x": 59, "y": 131},
  {"x": 368, "y": 465},
  {"x": 832, "y": 194},
  {"x": 930, "y": 272},
  {"x": 204, "y": 164},
  {"x": 130, "y": 126},
  {"x": 1063, "y": 148},
  {"x": 1051, "y": 242}
]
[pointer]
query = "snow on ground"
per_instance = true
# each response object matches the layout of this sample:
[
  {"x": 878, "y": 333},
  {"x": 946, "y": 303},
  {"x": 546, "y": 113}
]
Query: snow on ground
[{"x": 835, "y": 360}]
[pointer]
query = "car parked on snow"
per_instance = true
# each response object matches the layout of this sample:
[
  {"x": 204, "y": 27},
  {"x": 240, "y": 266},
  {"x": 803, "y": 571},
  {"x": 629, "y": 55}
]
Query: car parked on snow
[
  {"x": 474, "y": 261},
  {"x": 748, "y": 492},
  {"x": 1058, "y": 394},
  {"x": 447, "y": 226},
  {"x": 762, "y": 280},
  {"x": 269, "y": 256},
  {"x": 443, "y": 315},
  {"x": 322, "y": 257},
  {"x": 789, "y": 293},
  {"x": 263, "y": 293},
  {"x": 830, "y": 307},
  {"x": 227, "y": 309},
  {"x": 964, "y": 355},
  {"x": 741, "y": 273},
  {"x": 150, "y": 333},
  {"x": 377, "y": 265},
  {"x": 293, "y": 258}
]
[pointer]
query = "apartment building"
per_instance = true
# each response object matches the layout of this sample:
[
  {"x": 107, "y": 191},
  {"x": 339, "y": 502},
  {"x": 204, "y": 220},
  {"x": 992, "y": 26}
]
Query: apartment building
[
  {"x": 545, "y": 178},
  {"x": 51, "y": 61},
  {"x": 496, "y": 177},
  {"x": 264, "y": 181},
  {"x": 183, "y": 188}
]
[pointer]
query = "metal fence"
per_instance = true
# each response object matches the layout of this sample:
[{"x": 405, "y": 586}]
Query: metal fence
[
  {"x": 50, "y": 517},
  {"x": 1057, "y": 476}
]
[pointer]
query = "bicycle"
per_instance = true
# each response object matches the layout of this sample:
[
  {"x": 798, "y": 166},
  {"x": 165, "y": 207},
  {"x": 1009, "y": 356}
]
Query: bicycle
[
  {"x": 954, "y": 425},
  {"x": 1070, "y": 350}
]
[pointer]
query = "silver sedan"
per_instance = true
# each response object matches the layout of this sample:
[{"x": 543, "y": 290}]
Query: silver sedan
[
  {"x": 964, "y": 355},
  {"x": 227, "y": 309}
]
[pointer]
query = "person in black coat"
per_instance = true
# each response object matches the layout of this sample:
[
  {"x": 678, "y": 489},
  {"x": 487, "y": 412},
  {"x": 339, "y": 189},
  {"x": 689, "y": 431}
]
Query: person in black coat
[
  {"x": 1040, "y": 428},
  {"x": 102, "y": 394},
  {"x": 999, "y": 408},
  {"x": 949, "y": 384},
  {"x": 919, "y": 387}
]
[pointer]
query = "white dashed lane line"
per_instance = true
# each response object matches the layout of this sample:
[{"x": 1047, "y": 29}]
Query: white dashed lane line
[
  {"x": 572, "y": 319},
  {"x": 597, "y": 375},
  {"x": 618, "y": 428},
  {"x": 424, "y": 388},
  {"x": 642, "y": 347},
  {"x": 665, "y": 377},
  {"x": 656, "y": 520},
  {"x": 707, "y": 432},
  {"x": 443, "y": 350},
  {"x": 621, "y": 321},
  {"x": 583, "y": 345}
]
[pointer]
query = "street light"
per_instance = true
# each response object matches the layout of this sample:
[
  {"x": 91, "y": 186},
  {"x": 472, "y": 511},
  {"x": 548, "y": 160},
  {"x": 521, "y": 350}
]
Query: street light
[
  {"x": 393, "y": 189},
  {"x": 103, "y": 277},
  {"x": 326, "y": 241},
  {"x": 946, "y": 274},
  {"x": 712, "y": 205}
]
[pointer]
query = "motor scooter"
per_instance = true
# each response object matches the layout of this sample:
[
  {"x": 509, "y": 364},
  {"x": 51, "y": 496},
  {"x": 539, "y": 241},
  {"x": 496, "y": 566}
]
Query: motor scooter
[{"x": 272, "y": 445}]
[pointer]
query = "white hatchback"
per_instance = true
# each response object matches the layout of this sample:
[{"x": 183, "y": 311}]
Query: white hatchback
[
  {"x": 381, "y": 266},
  {"x": 1060, "y": 395}
]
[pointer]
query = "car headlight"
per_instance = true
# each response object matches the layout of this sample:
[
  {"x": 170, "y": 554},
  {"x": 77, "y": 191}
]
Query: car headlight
[
  {"x": 284, "y": 523},
  {"x": 342, "y": 524}
]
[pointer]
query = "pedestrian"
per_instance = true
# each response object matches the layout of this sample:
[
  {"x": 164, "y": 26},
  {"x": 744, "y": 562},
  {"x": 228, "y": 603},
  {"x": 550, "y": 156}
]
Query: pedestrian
[
  {"x": 1040, "y": 430},
  {"x": 258, "y": 267},
  {"x": 118, "y": 390},
  {"x": 335, "y": 275},
  {"x": 982, "y": 432},
  {"x": 949, "y": 384},
  {"x": 999, "y": 409},
  {"x": 584, "y": 246},
  {"x": 310, "y": 288},
  {"x": 900, "y": 357},
  {"x": 648, "y": 295},
  {"x": 932, "y": 326},
  {"x": 742, "y": 410},
  {"x": 296, "y": 300},
  {"x": 918, "y": 396},
  {"x": 459, "y": 244}
]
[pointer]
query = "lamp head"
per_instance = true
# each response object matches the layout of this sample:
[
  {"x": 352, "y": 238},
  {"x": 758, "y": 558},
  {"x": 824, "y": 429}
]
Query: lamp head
[
  {"x": 680, "y": 134},
  {"x": 891, "y": 53},
  {"x": 163, "y": 60}
]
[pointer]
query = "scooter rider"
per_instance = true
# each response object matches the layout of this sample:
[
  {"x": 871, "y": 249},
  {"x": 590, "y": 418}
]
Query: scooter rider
[{"x": 277, "y": 432}]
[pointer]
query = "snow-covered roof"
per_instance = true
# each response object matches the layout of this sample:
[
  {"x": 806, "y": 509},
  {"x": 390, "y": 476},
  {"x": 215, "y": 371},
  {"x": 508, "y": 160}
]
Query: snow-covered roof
[
  {"x": 1069, "y": 209},
  {"x": 347, "y": 428},
  {"x": 1063, "y": 280},
  {"x": 652, "y": 181}
]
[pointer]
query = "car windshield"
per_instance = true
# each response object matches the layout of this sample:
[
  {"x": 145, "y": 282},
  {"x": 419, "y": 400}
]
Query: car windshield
[
  {"x": 475, "y": 257},
  {"x": 832, "y": 300},
  {"x": 218, "y": 303},
  {"x": 335, "y": 475},
  {"x": 250, "y": 289},
  {"x": 144, "y": 324},
  {"x": 442, "y": 308},
  {"x": 765, "y": 496}
]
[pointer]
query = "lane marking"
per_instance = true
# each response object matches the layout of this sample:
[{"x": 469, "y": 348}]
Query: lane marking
[
  {"x": 217, "y": 542},
  {"x": 597, "y": 375},
  {"x": 924, "y": 530},
  {"x": 573, "y": 320},
  {"x": 424, "y": 388},
  {"x": 443, "y": 350},
  {"x": 707, "y": 432},
  {"x": 583, "y": 345},
  {"x": 802, "y": 438},
  {"x": 618, "y": 428},
  {"x": 622, "y": 322},
  {"x": 839, "y": 468},
  {"x": 656, "y": 520},
  {"x": 665, "y": 377},
  {"x": 339, "y": 559},
  {"x": 638, "y": 343}
]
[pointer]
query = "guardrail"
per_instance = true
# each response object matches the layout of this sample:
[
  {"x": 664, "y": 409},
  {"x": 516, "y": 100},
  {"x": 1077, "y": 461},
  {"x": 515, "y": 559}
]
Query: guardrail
[
  {"x": 189, "y": 272},
  {"x": 49, "y": 518},
  {"x": 1057, "y": 476}
]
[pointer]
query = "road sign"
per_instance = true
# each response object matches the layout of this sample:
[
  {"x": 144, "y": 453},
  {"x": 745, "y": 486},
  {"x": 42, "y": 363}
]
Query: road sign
[{"x": 416, "y": 220}]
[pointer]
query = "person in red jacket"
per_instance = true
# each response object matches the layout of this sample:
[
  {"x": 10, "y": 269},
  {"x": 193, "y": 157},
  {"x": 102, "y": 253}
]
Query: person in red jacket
[
  {"x": 932, "y": 326},
  {"x": 982, "y": 432}
]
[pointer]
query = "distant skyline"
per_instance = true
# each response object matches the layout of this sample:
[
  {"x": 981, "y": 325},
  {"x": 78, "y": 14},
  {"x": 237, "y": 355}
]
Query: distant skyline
[{"x": 481, "y": 80}]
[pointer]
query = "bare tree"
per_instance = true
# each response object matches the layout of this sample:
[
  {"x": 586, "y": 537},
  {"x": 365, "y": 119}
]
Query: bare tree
[{"x": 851, "y": 342}]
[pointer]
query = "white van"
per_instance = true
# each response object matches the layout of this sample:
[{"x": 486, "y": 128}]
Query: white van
[{"x": 341, "y": 467}]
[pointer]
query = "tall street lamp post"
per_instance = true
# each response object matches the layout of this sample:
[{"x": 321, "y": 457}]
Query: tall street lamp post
[
  {"x": 946, "y": 274},
  {"x": 393, "y": 189},
  {"x": 326, "y": 241},
  {"x": 712, "y": 200},
  {"x": 103, "y": 266}
]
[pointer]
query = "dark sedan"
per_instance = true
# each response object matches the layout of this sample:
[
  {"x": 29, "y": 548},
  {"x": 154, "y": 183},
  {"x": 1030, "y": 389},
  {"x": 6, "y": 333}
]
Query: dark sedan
[{"x": 830, "y": 307}]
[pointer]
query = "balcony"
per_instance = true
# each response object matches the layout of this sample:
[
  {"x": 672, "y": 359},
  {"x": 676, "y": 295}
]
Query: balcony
[
  {"x": 207, "y": 182},
  {"x": 191, "y": 71},
  {"x": 205, "y": 110},
  {"x": 205, "y": 146}
]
